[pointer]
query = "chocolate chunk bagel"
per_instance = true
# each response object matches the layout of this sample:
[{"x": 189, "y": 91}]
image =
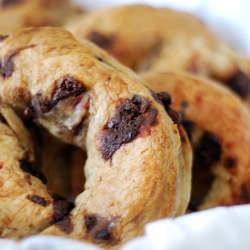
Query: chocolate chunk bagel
[
  {"x": 138, "y": 163},
  {"x": 159, "y": 39},
  {"x": 15, "y": 14},
  {"x": 218, "y": 123}
]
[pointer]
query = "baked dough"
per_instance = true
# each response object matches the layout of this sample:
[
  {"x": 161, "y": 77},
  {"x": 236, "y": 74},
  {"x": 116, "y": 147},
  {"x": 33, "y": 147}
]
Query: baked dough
[
  {"x": 138, "y": 160},
  {"x": 218, "y": 124},
  {"x": 159, "y": 39},
  {"x": 16, "y": 14}
]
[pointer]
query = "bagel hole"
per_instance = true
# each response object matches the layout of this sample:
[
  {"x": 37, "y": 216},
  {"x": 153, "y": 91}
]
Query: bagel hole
[
  {"x": 207, "y": 153},
  {"x": 62, "y": 164}
]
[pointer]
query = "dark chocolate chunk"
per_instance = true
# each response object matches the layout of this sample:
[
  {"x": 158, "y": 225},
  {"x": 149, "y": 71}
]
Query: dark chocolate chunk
[
  {"x": 3, "y": 37},
  {"x": 90, "y": 222},
  {"x": 130, "y": 117},
  {"x": 29, "y": 168},
  {"x": 230, "y": 162},
  {"x": 38, "y": 200},
  {"x": 67, "y": 87},
  {"x": 165, "y": 99},
  {"x": 99, "y": 228},
  {"x": 61, "y": 208},
  {"x": 103, "y": 235},
  {"x": 208, "y": 151},
  {"x": 239, "y": 82},
  {"x": 6, "y": 67},
  {"x": 65, "y": 225},
  {"x": 103, "y": 41}
]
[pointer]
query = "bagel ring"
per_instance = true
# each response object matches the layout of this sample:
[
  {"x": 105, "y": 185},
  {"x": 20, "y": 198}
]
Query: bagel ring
[
  {"x": 25, "y": 13},
  {"x": 159, "y": 39},
  {"x": 218, "y": 124},
  {"x": 139, "y": 161}
]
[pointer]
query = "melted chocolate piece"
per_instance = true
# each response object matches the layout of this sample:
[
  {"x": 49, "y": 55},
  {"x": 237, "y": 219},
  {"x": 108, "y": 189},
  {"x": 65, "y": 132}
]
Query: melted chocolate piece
[
  {"x": 6, "y": 67},
  {"x": 67, "y": 87},
  {"x": 230, "y": 162},
  {"x": 99, "y": 228},
  {"x": 103, "y": 41},
  {"x": 131, "y": 116},
  {"x": 29, "y": 168},
  {"x": 165, "y": 99},
  {"x": 61, "y": 208},
  {"x": 208, "y": 151},
  {"x": 90, "y": 222},
  {"x": 38, "y": 200},
  {"x": 65, "y": 225},
  {"x": 3, "y": 37},
  {"x": 239, "y": 83}
]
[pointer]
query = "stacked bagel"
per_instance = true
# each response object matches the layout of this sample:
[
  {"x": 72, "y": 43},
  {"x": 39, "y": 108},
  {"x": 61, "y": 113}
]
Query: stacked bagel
[{"x": 158, "y": 123}]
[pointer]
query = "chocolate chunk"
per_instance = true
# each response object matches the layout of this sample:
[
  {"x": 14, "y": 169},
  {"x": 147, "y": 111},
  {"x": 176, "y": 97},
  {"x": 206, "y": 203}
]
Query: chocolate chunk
[
  {"x": 103, "y": 235},
  {"x": 103, "y": 41},
  {"x": 6, "y": 67},
  {"x": 230, "y": 162},
  {"x": 38, "y": 200},
  {"x": 130, "y": 117},
  {"x": 99, "y": 227},
  {"x": 165, "y": 99},
  {"x": 239, "y": 82},
  {"x": 67, "y": 87},
  {"x": 61, "y": 208},
  {"x": 65, "y": 225},
  {"x": 3, "y": 37},
  {"x": 7, "y": 3},
  {"x": 90, "y": 222},
  {"x": 29, "y": 168},
  {"x": 208, "y": 151}
]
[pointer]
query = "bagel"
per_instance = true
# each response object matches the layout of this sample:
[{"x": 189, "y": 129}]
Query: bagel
[
  {"x": 24, "y": 13},
  {"x": 159, "y": 39},
  {"x": 218, "y": 124},
  {"x": 138, "y": 163}
]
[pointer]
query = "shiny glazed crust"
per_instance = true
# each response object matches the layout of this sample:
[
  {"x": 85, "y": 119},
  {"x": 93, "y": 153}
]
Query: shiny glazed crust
[
  {"x": 81, "y": 95},
  {"x": 214, "y": 109}
]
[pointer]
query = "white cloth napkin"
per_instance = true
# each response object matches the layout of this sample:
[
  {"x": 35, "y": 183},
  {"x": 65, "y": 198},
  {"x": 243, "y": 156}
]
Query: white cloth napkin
[{"x": 213, "y": 229}]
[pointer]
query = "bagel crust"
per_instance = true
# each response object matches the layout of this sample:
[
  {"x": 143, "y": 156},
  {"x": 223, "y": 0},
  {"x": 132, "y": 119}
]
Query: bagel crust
[
  {"x": 218, "y": 124},
  {"x": 27, "y": 13},
  {"x": 138, "y": 160},
  {"x": 159, "y": 39}
]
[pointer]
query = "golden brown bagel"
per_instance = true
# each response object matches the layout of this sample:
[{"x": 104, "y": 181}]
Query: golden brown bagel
[
  {"x": 218, "y": 124},
  {"x": 159, "y": 39},
  {"x": 137, "y": 168},
  {"x": 15, "y": 14}
]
